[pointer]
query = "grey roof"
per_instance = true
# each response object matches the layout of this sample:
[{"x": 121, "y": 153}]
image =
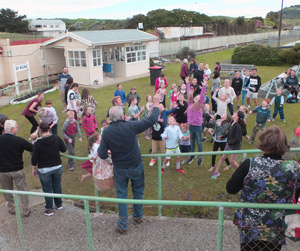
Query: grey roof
[
  {"x": 114, "y": 36},
  {"x": 48, "y": 21}
]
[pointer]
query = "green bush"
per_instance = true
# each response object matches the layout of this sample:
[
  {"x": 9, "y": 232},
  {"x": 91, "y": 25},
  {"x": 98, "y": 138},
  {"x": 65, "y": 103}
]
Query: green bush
[
  {"x": 291, "y": 56},
  {"x": 257, "y": 55},
  {"x": 187, "y": 53}
]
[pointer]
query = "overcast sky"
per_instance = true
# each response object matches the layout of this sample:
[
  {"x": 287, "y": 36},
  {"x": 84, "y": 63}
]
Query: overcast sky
[{"x": 121, "y": 9}]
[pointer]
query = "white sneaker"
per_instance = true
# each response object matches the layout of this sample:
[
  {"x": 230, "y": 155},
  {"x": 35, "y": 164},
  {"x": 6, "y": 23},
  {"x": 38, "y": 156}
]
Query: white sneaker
[
  {"x": 152, "y": 162},
  {"x": 168, "y": 163}
]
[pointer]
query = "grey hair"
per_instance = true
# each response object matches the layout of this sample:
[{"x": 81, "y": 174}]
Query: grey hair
[
  {"x": 9, "y": 124},
  {"x": 185, "y": 60},
  {"x": 115, "y": 113}
]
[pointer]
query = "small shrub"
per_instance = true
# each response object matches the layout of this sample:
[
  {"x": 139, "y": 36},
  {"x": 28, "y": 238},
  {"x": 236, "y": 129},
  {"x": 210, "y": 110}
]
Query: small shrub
[
  {"x": 186, "y": 52},
  {"x": 291, "y": 56},
  {"x": 294, "y": 142},
  {"x": 256, "y": 54}
]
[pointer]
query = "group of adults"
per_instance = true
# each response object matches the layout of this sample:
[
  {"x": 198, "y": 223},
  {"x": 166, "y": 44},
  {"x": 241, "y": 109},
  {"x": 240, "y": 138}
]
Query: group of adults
[
  {"x": 265, "y": 179},
  {"x": 45, "y": 156}
]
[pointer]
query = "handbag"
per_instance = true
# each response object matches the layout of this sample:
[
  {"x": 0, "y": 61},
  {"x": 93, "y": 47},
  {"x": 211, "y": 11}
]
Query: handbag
[
  {"x": 292, "y": 221},
  {"x": 103, "y": 174}
]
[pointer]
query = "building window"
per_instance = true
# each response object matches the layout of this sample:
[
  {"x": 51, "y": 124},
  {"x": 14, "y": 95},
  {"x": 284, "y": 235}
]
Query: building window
[
  {"x": 136, "y": 53},
  {"x": 77, "y": 58},
  {"x": 120, "y": 53},
  {"x": 97, "y": 57},
  {"x": 56, "y": 26},
  {"x": 51, "y": 26}
]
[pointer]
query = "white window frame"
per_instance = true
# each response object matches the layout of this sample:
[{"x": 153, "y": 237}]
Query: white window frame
[
  {"x": 136, "y": 53},
  {"x": 77, "y": 58},
  {"x": 120, "y": 54},
  {"x": 97, "y": 57}
]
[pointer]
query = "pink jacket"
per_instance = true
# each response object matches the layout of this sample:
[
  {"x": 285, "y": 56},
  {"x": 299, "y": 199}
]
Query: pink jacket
[
  {"x": 194, "y": 117},
  {"x": 157, "y": 84}
]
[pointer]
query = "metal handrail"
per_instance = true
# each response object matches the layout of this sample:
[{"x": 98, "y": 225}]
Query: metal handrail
[{"x": 159, "y": 202}]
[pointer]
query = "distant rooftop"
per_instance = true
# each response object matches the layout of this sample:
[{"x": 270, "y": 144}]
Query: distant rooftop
[
  {"x": 101, "y": 37},
  {"x": 114, "y": 36},
  {"x": 48, "y": 21}
]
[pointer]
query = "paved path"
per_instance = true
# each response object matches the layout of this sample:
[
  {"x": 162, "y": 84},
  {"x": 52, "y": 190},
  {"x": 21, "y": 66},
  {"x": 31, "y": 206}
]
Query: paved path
[{"x": 66, "y": 230}]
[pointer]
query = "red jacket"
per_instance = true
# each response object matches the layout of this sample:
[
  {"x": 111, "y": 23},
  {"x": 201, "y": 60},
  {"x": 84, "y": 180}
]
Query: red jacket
[{"x": 184, "y": 70}]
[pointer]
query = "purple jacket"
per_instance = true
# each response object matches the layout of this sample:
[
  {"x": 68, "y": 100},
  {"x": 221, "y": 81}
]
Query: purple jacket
[
  {"x": 194, "y": 117},
  {"x": 184, "y": 70}
]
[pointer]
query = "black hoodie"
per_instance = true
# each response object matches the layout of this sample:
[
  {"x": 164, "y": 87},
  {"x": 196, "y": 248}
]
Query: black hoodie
[{"x": 46, "y": 151}]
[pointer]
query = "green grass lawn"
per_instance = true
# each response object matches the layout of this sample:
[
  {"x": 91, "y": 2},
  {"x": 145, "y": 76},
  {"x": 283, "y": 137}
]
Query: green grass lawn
[{"x": 195, "y": 185}]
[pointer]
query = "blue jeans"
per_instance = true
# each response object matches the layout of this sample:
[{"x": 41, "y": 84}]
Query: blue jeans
[
  {"x": 280, "y": 113},
  {"x": 195, "y": 134},
  {"x": 244, "y": 94},
  {"x": 137, "y": 178},
  {"x": 230, "y": 107},
  {"x": 51, "y": 183}
]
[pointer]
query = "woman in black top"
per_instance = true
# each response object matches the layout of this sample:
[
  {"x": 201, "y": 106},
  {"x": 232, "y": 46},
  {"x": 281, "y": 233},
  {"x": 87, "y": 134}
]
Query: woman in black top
[
  {"x": 46, "y": 155},
  {"x": 234, "y": 141},
  {"x": 180, "y": 110}
]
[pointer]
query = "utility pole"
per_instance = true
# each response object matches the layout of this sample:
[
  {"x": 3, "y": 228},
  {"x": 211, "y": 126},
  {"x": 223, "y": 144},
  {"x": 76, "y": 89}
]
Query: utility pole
[{"x": 280, "y": 23}]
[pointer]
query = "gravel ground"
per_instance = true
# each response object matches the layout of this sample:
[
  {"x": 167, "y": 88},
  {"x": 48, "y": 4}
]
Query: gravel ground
[{"x": 66, "y": 230}]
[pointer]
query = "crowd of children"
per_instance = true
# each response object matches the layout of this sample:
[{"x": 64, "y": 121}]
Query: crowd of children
[{"x": 173, "y": 132}]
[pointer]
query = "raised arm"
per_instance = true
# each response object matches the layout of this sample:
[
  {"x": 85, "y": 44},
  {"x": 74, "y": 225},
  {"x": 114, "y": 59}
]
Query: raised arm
[{"x": 142, "y": 125}]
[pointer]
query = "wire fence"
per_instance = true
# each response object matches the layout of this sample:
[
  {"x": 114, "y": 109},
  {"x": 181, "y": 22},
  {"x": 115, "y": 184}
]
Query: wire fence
[
  {"x": 26, "y": 88},
  {"x": 92, "y": 228}
]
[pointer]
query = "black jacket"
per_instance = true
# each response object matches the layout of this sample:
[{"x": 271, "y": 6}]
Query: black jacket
[
  {"x": 120, "y": 138},
  {"x": 11, "y": 152},
  {"x": 46, "y": 151}
]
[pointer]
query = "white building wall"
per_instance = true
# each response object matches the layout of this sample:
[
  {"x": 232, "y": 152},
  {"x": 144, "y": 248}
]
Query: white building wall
[
  {"x": 20, "y": 54},
  {"x": 169, "y": 48}
]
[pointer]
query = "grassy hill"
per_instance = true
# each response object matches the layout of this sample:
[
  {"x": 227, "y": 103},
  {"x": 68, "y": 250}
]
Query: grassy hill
[{"x": 292, "y": 12}]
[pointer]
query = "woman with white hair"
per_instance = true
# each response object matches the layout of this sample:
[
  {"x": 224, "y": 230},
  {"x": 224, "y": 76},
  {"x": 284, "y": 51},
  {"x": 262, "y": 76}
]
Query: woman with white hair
[
  {"x": 48, "y": 116},
  {"x": 184, "y": 72}
]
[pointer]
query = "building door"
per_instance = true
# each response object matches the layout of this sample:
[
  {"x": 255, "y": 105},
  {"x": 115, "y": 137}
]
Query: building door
[{"x": 109, "y": 62}]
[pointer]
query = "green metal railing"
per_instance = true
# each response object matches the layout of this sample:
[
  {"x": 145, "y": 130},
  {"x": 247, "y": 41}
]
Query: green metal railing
[
  {"x": 8, "y": 88},
  {"x": 159, "y": 202}
]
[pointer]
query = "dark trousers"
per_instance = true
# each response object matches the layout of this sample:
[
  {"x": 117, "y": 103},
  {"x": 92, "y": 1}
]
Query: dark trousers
[
  {"x": 280, "y": 113},
  {"x": 71, "y": 149},
  {"x": 260, "y": 246},
  {"x": 213, "y": 103},
  {"x": 216, "y": 146},
  {"x": 51, "y": 183},
  {"x": 54, "y": 130},
  {"x": 34, "y": 123},
  {"x": 230, "y": 107}
]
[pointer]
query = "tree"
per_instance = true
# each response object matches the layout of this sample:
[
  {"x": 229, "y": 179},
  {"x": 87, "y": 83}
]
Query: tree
[
  {"x": 132, "y": 23},
  {"x": 274, "y": 17},
  {"x": 10, "y": 21}
]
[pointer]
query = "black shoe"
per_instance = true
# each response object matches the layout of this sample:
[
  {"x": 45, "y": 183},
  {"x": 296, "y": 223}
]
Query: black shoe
[
  {"x": 26, "y": 212},
  {"x": 204, "y": 139},
  {"x": 48, "y": 212},
  {"x": 211, "y": 140},
  {"x": 121, "y": 231},
  {"x": 138, "y": 220},
  {"x": 199, "y": 161},
  {"x": 191, "y": 159}
]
